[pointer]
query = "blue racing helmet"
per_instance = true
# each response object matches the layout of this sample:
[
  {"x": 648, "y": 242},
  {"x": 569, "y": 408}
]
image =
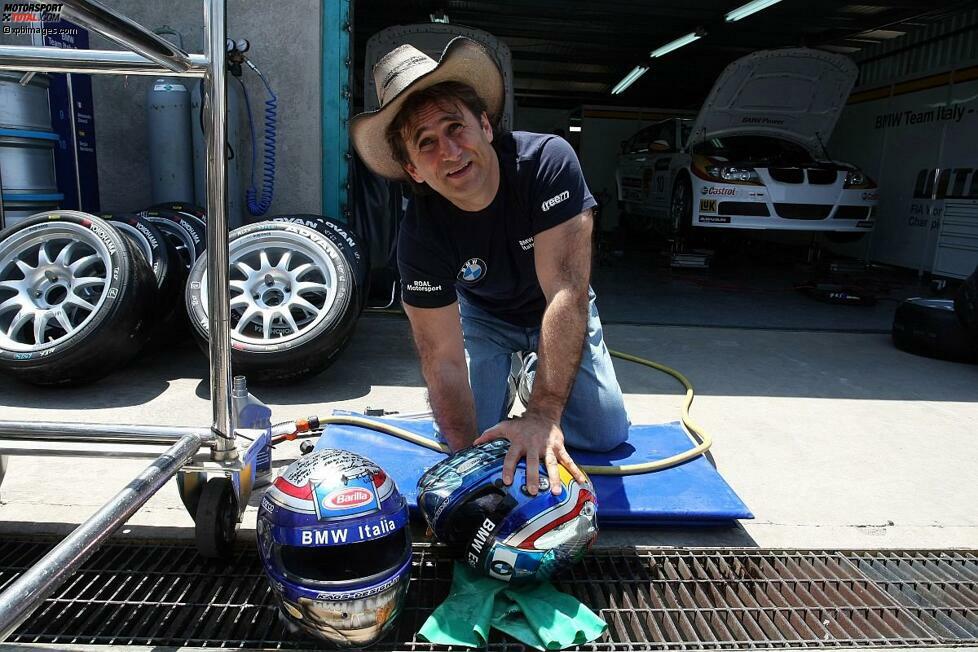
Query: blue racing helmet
[
  {"x": 334, "y": 540},
  {"x": 507, "y": 533}
]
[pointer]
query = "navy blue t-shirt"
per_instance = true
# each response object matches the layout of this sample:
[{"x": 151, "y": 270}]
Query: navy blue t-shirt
[{"x": 487, "y": 256}]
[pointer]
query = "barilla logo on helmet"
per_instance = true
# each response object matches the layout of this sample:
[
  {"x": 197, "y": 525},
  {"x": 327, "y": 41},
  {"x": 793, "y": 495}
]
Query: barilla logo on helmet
[
  {"x": 347, "y": 498},
  {"x": 355, "y": 498}
]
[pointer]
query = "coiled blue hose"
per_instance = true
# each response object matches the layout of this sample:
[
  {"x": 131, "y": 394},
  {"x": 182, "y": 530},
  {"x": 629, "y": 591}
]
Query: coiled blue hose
[{"x": 256, "y": 206}]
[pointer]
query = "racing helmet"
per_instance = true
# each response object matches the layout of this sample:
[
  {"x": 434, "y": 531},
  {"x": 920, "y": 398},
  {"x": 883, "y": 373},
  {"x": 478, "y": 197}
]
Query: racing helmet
[
  {"x": 507, "y": 533},
  {"x": 335, "y": 543}
]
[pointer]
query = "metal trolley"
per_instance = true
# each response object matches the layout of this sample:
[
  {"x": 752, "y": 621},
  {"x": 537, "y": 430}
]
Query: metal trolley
[{"x": 190, "y": 453}]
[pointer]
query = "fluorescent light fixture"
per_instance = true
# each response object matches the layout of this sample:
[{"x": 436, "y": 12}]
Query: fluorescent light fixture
[
  {"x": 575, "y": 127},
  {"x": 746, "y": 10},
  {"x": 629, "y": 79},
  {"x": 675, "y": 45}
]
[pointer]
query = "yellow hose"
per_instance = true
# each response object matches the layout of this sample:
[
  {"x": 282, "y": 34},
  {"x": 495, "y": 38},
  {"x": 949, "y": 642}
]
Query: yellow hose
[{"x": 701, "y": 440}]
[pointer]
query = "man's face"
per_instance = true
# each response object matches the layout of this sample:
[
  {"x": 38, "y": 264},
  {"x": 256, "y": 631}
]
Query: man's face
[{"x": 450, "y": 150}]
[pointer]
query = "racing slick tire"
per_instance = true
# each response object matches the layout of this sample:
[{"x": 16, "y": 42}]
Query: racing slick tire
[
  {"x": 929, "y": 327},
  {"x": 294, "y": 302},
  {"x": 76, "y": 298},
  {"x": 167, "y": 269},
  {"x": 185, "y": 232},
  {"x": 341, "y": 235}
]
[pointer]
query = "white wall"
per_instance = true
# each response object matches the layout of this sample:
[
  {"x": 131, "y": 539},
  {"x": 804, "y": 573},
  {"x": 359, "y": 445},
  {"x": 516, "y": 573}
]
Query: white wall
[{"x": 894, "y": 138}]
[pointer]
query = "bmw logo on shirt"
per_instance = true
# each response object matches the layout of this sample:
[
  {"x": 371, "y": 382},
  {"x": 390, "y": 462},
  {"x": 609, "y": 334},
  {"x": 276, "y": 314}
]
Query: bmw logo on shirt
[{"x": 472, "y": 271}]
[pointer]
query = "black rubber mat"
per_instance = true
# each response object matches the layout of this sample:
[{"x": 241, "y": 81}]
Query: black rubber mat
[{"x": 164, "y": 594}]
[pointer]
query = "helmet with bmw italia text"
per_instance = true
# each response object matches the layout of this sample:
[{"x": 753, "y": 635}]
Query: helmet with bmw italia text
[
  {"x": 335, "y": 543},
  {"x": 508, "y": 533}
]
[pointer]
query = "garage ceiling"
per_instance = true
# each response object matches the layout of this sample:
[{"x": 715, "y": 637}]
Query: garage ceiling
[{"x": 570, "y": 52}]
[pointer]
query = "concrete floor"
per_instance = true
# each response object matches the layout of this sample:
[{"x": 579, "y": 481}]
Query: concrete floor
[{"x": 833, "y": 439}]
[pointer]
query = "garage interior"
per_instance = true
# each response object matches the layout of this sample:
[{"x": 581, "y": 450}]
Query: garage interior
[{"x": 849, "y": 451}]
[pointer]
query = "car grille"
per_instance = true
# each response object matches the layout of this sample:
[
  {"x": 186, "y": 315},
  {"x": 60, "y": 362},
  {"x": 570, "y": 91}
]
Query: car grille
[
  {"x": 817, "y": 176},
  {"x": 822, "y": 176},
  {"x": 743, "y": 208},
  {"x": 803, "y": 211},
  {"x": 852, "y": 213},
  {"x": 787, "y": 175}
]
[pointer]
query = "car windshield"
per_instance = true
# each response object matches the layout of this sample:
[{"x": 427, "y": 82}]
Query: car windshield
[
  {"x": 755, "y": 149},
  {"x": 640, "y": 141}
]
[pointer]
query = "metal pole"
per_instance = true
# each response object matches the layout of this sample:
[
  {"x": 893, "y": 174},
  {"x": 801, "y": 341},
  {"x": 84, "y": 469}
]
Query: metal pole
[
  {"x": 94, "y": 62},
  {"x": 74, "y": 140},
  {"x": 101, "y": 432},
  {"x": 3, "y": 221},
  {"x": 215, "y": 27},
  {"x": 125, "y": 32},
  {"x": 44, "y": 578}
]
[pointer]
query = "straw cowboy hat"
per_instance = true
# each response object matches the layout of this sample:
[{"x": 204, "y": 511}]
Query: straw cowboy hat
[{"x": 407, "y": 69}]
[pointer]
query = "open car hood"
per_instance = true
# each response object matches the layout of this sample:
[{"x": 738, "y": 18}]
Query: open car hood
[{"x": 794, "y": 93}]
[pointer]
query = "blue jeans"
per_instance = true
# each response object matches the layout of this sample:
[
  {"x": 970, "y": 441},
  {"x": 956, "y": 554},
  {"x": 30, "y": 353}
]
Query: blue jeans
[{"x": 594, "y": 418}]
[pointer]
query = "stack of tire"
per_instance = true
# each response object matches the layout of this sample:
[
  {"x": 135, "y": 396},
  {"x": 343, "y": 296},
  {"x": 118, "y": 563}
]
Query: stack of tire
[
  {"x": 81, "y": 295},
  {"x": 940, "y": 328}
]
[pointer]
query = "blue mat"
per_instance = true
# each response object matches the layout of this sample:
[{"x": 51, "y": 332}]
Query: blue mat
[{"x": 690, "y": 494}]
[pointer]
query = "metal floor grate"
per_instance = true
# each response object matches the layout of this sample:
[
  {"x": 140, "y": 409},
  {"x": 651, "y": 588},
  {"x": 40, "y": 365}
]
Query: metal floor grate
[{"x": 162, "y": 593}]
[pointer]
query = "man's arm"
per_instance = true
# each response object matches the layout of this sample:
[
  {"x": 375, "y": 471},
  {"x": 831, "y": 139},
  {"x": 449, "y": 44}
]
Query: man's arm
[
  {"x": 563, "y": 263},
  {"x": 562, "y": 255},
  {"x": 438, "y": 338}
]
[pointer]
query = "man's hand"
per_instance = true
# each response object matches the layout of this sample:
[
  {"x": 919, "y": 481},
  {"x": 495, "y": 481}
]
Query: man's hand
[{"x": 535, "y": 437}]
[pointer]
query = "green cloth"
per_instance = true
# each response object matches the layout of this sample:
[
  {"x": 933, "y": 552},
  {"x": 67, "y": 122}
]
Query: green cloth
[{"x": 535, "y": 614}]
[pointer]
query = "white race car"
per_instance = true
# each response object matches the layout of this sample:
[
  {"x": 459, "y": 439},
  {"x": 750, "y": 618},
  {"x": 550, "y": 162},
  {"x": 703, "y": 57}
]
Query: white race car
[{"x": 754, "y": 157}]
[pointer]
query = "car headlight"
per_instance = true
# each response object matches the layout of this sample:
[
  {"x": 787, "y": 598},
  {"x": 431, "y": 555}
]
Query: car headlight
[
  {"x": 856, "y": 178},
  {"x": 717, "y": 169},
  {"x": 732, "y": 174}
]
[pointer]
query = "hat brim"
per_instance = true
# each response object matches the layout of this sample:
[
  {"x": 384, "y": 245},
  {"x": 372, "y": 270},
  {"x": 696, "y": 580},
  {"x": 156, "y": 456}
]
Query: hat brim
[{"x": 463, "y": 60}]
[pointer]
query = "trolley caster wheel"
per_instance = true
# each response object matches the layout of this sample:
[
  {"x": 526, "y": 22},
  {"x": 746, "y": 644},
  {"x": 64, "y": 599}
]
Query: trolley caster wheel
[
  {"x": 306, "y": 447},
  {"x": 217, "y": 519}
]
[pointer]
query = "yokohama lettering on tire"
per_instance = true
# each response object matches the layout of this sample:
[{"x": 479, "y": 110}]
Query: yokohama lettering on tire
[
  {"x": 188, "y": 234},
  {"x": 161, "y": 255}
]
